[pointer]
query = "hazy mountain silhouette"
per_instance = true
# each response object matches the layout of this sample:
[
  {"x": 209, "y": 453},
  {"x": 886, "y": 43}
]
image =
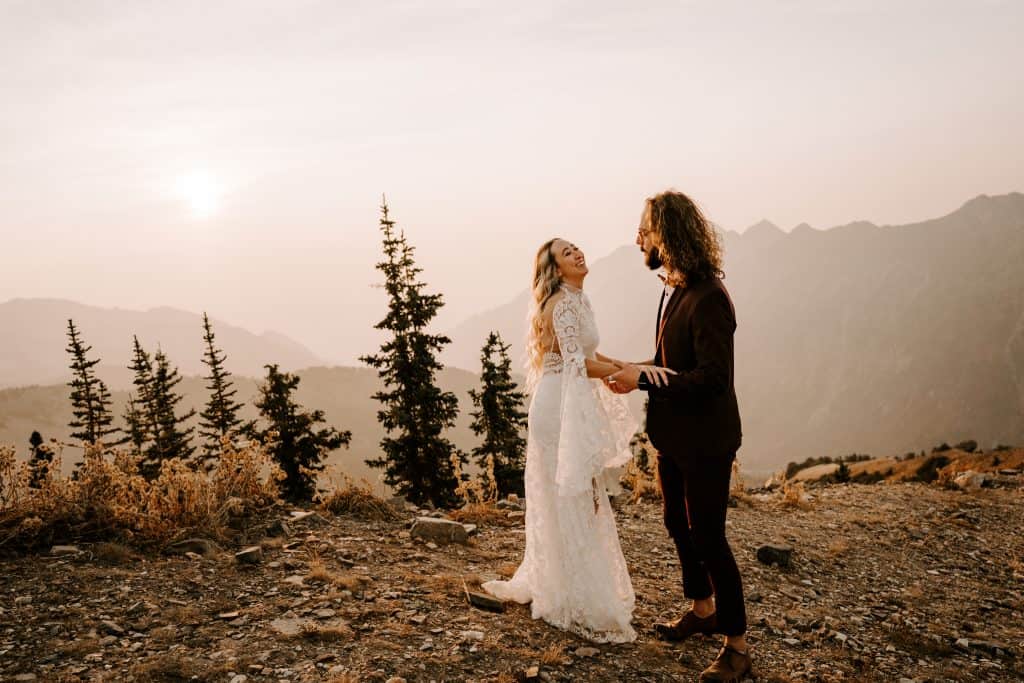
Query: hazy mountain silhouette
[
  {"x": 858, "y": 338},
  {"x": 32, "y": 347}
]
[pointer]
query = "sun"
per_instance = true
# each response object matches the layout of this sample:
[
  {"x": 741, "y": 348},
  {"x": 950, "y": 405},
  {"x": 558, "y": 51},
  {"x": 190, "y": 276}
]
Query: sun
[{"x": 201, "y": 191}]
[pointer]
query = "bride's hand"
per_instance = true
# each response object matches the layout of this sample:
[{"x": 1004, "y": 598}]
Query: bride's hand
[{"x": 658, "y": 376}]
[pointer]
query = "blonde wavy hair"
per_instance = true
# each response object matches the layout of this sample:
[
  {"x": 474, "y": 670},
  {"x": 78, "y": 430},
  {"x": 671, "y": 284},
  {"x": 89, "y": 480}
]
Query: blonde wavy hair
[
  {"x": 546, "y": 283},
  {"x": 689, "y": 245}
]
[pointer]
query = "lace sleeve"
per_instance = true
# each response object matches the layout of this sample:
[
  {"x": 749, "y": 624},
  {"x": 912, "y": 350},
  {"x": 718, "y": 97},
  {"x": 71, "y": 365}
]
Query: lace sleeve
[
  {"x": 595, "y": 425},
  {"x": 566, "y": 319}
]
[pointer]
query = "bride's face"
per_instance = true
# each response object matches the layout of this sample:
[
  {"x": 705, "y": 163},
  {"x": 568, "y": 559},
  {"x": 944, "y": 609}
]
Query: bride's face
[{"x": 569, "y": 259}]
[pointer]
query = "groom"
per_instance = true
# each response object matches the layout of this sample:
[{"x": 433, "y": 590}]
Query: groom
[{"x": 693, "y": 421}]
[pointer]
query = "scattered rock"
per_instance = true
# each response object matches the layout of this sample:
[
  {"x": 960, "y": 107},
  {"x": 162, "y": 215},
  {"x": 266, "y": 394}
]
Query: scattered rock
[
  {"x": 587, "y": 652},
  {"x": 308, "y": 517},
  {"x": 781, "y": 555},
  {"x": 251, "y": 555},
  {"x": 277, "y": 528},
  {"x": 199, "y": 546},
  {"x": 112, "y": 627},
  {"x": 439, "y": 530},
  {"x": 289, "y": 627},
  {"x": 484, "y": 601},
  {"x": 970, "y": 480},
  {"x": 63, "y": 550}
]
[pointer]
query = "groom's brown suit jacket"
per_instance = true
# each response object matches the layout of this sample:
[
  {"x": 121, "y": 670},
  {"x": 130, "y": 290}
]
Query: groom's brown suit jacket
[{"x": 696, "y": 416}]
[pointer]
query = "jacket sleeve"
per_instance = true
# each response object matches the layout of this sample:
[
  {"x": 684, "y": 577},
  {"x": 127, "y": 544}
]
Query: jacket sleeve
[{"x": 713, "y": 325}]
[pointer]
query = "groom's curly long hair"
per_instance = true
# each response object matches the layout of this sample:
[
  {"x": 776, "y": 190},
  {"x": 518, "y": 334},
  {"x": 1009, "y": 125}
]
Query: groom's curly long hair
[{"x": 689, "y": 245}]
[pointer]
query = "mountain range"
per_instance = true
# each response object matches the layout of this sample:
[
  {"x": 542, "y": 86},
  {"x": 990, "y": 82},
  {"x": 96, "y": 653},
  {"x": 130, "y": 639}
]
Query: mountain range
[
  {"x": 860, "y": 338},
  {"x": 32, "y": 347}
]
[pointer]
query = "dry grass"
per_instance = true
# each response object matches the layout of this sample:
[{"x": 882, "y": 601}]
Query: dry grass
[
  {"x": 838, "y": 547},
  {"x": 507, "y": 570},
  {"x": 554, "y": 654},
  {"x": 642, "y": 485},
  {"x": 357, "y": 500},
  {"x": 189, "y": 615},
  {"x": 325, "y": 633},
  {"x": 482, "y": 514},
  {"x": 343, "y": 677},
  {"x": 114, "y": 553},
  {"x": 79, "y": 647},
  {"x": 794, "y": 495},
  {"x": 110, "y": 500},
  {"x": 919, "y": 645},
  {"x": 168, "y": 667},
  {"x": 319, "y": 573}
]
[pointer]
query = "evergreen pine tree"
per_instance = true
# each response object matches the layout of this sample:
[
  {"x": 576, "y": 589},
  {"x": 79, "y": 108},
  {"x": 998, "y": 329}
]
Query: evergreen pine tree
[
  {"x": 90, "y": 398},
  {"x": 155, "y": 429},
  {"x": 140, "y": 414},
  {"x": 220, "y": 418},
  {"x": 290, "y": 435},
  {"x": 417, "y": 459},
  {"x": 500, "y": 418},
  {"x": 137, "y": 432}
]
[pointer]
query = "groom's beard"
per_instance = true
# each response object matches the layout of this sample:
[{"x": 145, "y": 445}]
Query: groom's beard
[{"x": 652, "y": 258}]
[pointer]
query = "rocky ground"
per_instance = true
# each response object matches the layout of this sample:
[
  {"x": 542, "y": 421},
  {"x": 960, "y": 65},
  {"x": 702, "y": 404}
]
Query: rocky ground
[{"x": 885, "y": 582}]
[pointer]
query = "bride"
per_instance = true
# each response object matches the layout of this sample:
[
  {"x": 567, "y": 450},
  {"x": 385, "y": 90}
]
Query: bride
[{"x": 573, "y": 571}]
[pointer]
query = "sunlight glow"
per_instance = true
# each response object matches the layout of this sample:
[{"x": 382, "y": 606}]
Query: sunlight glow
[{"x": 201, "y": 191}]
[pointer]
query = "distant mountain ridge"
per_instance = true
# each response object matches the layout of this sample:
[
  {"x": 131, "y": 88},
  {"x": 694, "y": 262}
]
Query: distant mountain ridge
[
  {"x": 860, "y": 338},
  {"x": 32, "y": 347}
]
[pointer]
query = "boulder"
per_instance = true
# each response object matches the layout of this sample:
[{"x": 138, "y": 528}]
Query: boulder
[
  {"x": 777, "y": 554},
  {"x": 439, "y": 530},
  {"x": 970, "y": 480},
  {"x": 251, "y": 555}
]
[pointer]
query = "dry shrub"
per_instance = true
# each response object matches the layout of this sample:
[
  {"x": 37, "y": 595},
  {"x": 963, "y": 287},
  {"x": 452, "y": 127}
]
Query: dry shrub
[
  {"x": 642, "y": 485},
  {"x": 110, "y": 499},
  {"x": 168, "y": 667},
  {"x": 482, "y": 490},
  {"x": 507, "y": 570},
  {"x": 324, "y": 633},
  {"x": 794, "y": 495},
  {"x": 343, "y": 677},
  {"x": 114, "y": 553},
  {"x": 481, "y": 513},
  {"x": 319, "y": 573},
  {"x": 357, "y": 500},
  {"x": 554, "y": 654},
  {"x": 920, "y": 644},
  {"x": 838, "y": 547}
]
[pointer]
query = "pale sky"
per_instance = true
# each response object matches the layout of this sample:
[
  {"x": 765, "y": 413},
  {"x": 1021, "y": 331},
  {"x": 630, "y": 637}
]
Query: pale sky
[{"x": 230, "y": 156}]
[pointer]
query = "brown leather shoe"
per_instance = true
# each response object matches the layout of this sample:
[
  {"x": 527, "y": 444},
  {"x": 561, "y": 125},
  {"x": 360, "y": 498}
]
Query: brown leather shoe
[
  {"x": 731, "y": 665},
  {"x": 686, "y": 625}
]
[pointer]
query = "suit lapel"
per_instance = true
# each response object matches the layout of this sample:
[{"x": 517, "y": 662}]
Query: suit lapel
[{"x": 670, "y": 307}]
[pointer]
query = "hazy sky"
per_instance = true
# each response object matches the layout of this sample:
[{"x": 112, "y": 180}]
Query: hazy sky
[{"x": 230, "y": 156}]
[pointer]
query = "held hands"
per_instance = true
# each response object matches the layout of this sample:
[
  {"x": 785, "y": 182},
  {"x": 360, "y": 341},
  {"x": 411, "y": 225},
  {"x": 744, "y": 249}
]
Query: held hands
[{"x": 625, "y": 380}]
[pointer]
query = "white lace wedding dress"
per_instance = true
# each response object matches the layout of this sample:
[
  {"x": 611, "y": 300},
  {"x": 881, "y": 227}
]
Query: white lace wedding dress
[{"x": 573, "y": 570}]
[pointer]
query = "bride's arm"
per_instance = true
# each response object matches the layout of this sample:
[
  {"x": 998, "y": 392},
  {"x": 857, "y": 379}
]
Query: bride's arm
[{"x": 600, "y": 368}]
